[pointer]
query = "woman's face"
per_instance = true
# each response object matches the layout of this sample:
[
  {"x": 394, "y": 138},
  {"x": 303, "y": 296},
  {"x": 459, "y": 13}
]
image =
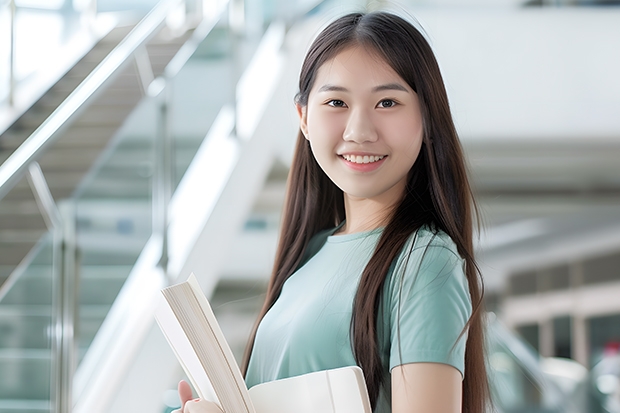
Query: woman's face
[{"x": 364, "y": 125}]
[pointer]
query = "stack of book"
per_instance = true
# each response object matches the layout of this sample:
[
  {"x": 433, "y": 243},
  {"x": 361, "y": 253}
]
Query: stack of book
[{"x": 186, "y": 319}]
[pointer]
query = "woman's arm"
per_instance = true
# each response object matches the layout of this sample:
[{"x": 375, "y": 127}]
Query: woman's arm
[{"x": 426, "y": 387}]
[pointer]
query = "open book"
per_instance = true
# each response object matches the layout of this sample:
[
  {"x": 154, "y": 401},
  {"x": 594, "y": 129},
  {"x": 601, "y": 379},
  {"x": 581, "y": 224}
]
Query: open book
[{"x": 186, "y": 319}]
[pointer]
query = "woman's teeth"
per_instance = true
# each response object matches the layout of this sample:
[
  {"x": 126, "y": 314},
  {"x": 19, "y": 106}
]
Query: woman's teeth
[{"x": 363, "y": 159}]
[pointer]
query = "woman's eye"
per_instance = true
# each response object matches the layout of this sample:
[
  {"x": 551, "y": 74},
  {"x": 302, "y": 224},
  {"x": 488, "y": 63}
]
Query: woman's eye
[
  {"x": 336, "y": 103},
  {"x": 387, "y": 103}
]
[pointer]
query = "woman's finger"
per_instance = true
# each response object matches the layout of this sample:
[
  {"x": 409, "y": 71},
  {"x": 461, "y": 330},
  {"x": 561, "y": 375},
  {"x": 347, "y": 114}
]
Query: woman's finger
[{"x": 185, "y": 393}]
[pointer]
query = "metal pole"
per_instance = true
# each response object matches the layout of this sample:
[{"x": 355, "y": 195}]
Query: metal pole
[
  {"x": 200, "y": 10},
  {"x": 162, "y": 182},
  {"x": 92, "y": 9},
  {"x": 66, "y": 309},
  {"x": 236, "y": 24},
  {"x": 12, "y": 53},
  {"x": 236, "y": 18},
  {"x": 61, "y": 222},
  {"x": 195, "y": 12},
  {"x": 43, "y": 196}
]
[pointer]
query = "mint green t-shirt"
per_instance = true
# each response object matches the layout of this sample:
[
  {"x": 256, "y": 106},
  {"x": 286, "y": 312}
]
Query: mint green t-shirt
[{"x": 425, "y": 306}]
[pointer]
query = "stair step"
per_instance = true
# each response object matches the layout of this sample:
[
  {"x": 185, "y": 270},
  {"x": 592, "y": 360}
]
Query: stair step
[
  {"x": 11, "y": 253},
  {"x": 24, "y": 406},
  {"x": 38, "y": 291},
  {"x": 23, "y": 329},
  {"x": 30, "y": 291},
  {"x": 62, "y": 88},
  {"x": 25, "y": 312},
  {"x": 28, "y": 327},
  {"x": 25, "y": 374}
]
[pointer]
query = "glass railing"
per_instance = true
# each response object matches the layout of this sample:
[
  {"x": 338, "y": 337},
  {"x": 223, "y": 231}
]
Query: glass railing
[
  {"x": 26, "y": 347},
  {"x": 83, "y": 234},
  {"x": 113, "y": 216},
  {"x": 115, "y": 203},
  {"x": 67, "y": 249},
  {"x": 40, "y": 40}
]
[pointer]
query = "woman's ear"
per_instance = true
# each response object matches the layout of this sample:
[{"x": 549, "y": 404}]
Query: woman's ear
[{"x": 303, "y": 118}]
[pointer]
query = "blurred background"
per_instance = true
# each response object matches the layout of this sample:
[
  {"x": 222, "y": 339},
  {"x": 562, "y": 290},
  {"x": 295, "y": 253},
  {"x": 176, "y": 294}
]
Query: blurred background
[{"x": 142, "y": 140}]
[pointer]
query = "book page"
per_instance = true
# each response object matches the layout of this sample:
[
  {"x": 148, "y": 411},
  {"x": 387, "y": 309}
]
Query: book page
[
  {"x": 209, "y": 349},
  {"x": 182, "y": 348}
]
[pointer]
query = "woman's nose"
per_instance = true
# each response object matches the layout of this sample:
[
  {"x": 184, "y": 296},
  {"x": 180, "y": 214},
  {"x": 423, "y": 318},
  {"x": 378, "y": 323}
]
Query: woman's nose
[{"x": 360, "y": 127}]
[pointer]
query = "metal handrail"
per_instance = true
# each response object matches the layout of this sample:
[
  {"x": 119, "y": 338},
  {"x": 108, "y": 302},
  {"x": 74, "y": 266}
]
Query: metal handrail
[
  {"x": 16, "y": 166},
  {"x": 23, "y": 162}
]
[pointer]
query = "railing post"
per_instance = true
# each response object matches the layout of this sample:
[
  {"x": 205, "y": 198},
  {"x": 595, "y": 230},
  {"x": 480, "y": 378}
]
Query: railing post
[
  {"x": 61, "y": 222},
  {"x": 195, "y": 11},
  {"x": 12, "y": 53},
  {"x": 236, "y": 23},
  {"x": 162, "y": 179},
  {"x": 236, "y": 17},
  {"x": 65, "y": 311},
  {"x": 92, "y": 10}
]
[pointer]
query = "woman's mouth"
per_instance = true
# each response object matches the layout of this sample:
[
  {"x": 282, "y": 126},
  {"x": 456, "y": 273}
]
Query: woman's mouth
[
  {"x": 363, "y": 163},
  {"x": 361, "y": 159}
]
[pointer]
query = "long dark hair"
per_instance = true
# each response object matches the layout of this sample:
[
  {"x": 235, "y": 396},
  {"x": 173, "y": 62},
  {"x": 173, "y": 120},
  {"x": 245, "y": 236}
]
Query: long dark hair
[{"x": 438, "y": 194}]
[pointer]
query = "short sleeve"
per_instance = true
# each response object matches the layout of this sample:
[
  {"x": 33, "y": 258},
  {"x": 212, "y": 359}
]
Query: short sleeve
[{"x": 428, "y": 304}]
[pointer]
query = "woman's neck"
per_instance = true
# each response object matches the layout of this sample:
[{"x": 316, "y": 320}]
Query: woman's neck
[{"x": 365, "y": 214}]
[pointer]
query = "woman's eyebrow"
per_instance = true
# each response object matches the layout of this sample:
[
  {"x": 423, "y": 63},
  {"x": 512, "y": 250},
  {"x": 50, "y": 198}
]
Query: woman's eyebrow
[
  {"x": 332, "y": 88},
  {"x": 389, "y": 86}
]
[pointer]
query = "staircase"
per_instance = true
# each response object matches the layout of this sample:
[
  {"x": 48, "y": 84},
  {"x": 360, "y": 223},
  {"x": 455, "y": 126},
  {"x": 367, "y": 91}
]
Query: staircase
[
  {"x": 26, "y": 245},
  {"x": 100, "y": 173},
  {"x": 67, "y": 162}
]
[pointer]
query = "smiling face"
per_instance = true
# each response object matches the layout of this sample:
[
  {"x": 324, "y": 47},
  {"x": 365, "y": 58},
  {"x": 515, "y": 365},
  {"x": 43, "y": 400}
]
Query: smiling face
[{"x": 364, "y": 125}]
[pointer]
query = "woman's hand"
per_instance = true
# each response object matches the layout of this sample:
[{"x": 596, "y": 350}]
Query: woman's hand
[{"x": 190, "y": 405}]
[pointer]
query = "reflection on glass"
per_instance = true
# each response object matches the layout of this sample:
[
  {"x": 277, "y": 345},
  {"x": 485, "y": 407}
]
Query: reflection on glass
[
  {"x": 25, "y": 332},
  {"x": 113, "y": 219}
]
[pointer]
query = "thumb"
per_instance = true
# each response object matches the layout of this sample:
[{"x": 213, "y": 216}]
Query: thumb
[{"x": 185, "y": 393}]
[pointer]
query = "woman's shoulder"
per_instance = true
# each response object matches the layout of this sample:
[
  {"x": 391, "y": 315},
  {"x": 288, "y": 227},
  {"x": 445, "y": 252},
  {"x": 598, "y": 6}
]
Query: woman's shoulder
[
  {"x": 433, "y": 240},
  {"x": 430, "y": 255}
]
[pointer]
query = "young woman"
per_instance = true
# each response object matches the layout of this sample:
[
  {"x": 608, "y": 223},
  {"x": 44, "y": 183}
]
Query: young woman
[{"x": 375, "y": 262}]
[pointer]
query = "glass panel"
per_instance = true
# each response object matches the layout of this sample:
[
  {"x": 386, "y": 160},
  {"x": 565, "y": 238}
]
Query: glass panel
[
  {"x": 26, "y": 309},
  {"x": 113, "y": 219},
  {"x": 554, "y": 278},
  {"x": 25, "y": 345},
  {"x": 605, "y": 268},
  {"x": 604, "y": 340},
  {"x": 523, "y": 283},
  {"x": 21, "y": 226},
  {"x": 562, "y": 337}
]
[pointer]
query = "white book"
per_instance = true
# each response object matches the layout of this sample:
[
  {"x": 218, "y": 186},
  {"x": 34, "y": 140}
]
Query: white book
[{"x": 186, "y": 319}]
